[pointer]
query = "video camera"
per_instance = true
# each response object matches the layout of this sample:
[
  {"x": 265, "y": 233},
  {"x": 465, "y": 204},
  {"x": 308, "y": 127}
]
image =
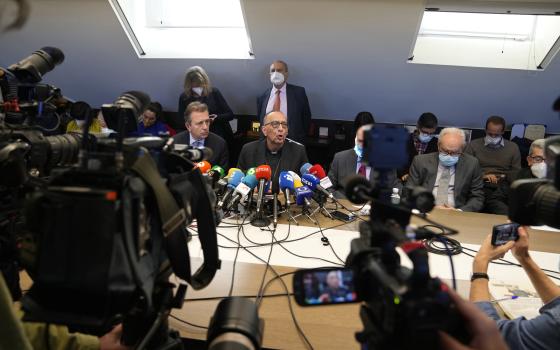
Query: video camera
[{"x": 402, "y": 308}]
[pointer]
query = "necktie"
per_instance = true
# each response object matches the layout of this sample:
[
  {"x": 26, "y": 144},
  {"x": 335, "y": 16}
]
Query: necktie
[
  {"x": 362, "y": 170},
  {"x": 276, "y": 107},
  {"x": 442, "y": 196},
  {"x": 198, "y": 144}
]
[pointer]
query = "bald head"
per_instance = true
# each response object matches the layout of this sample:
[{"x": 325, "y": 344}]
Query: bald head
[{"x": 275, "y": 129}]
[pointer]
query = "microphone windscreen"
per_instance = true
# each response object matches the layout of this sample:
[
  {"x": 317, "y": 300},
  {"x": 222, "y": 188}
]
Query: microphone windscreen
[
  {"x": 204, "y": 166},
  {"x": 218, "y": 169},
  {"x": 302, "y": 193},
  {"x": 295, "y": 175},
  {"x": 286, "y": 181},
  {"x": 297, "y": 183},
  {"x": 251, "y": 181},
  {"x": 251, "y": 171},
  {"x": 310, "y": 181},
  {"x": 304, "y": 168},
  {"x": 231, "y": 171},
  {"x": 235, "y": 178},
  {"x": 318, "y": 171},
  {"x": 263, "y": 172}
]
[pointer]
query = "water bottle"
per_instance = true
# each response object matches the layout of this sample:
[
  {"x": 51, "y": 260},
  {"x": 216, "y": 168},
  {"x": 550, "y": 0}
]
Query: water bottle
[{"x": 395, "y": 198}]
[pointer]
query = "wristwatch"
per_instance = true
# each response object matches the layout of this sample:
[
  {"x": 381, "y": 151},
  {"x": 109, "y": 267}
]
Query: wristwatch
[{"x": 477, "y": 275}]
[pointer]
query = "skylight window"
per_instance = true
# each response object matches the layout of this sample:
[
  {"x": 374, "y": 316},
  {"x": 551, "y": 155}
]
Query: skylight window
[
  {"x": 510, "y": 41},
  {"x": 185, "y": 28}
]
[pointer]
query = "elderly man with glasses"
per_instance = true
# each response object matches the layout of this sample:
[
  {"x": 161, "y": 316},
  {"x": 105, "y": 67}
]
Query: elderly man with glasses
[
  {"x": 536, "y": 160},
  {"x": 454, "y": 178},
  {"x": 281, "y": 153}
]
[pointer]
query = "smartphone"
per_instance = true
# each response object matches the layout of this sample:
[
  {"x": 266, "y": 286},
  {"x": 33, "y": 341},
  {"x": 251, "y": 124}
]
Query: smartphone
[
  {"x": 501, "y": 234},
  {"x": 343, "y": 217},
  {"x": 315, "y": 287}
]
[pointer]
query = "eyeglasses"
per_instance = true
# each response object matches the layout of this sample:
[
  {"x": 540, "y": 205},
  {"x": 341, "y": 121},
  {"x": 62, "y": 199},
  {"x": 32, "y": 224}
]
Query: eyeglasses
[
  {"x": 446, "y": 153},
  {"x": 276, "y": 124},
  {"x": 537, "y": 159}
]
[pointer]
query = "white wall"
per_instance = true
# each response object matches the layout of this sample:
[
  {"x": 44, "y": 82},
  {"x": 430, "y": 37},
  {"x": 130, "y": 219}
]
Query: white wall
[{"x": 349, "y": 54}]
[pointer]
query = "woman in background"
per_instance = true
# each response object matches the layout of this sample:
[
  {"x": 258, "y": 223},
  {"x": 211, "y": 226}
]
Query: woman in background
[{"x": 198, "y": 88}]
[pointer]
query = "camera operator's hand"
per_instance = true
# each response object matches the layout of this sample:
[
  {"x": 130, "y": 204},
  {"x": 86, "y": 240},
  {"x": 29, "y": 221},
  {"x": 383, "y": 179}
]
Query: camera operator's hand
[
  {"x": 520, "y": 249},
  {"x": 112, "y": 340},
  {"x": 483, "y": 330}
]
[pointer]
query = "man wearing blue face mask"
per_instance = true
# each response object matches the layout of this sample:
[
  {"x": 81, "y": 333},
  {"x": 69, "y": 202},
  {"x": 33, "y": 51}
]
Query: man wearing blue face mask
[
  {"x": 422, "y": 141},
  {"x": 454, "y": 178},
  {"x": 499, "y": 158}
]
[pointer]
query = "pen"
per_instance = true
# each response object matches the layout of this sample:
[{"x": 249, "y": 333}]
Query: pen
[{"x": 504, "y": 299}]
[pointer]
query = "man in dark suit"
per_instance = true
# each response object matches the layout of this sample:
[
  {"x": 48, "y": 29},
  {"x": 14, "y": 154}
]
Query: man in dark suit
[
  {"x": 454, "y": 178},
  {"x": 422, "y": 141},
  {"x": 275, "y": 150},
  {"x": 197, "y": 121},
  {"x": 289, "y": 99}
]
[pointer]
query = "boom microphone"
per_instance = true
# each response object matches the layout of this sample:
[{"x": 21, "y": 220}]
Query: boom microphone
[
  {"x": 233, "y": 181},
  {"x": 194, "y": 154}
]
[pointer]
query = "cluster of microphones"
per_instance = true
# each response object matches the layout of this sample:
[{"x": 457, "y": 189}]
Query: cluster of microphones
[{"x": 249, "y": 194}]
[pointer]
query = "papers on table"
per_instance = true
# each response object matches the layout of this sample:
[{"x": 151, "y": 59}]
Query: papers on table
[{"x": 527, "y": 303}]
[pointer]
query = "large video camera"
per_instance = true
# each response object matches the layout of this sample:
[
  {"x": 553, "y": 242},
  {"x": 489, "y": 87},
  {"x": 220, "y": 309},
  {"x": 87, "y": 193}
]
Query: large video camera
[
  {"x": 537, "y": 201},
  {"x": 402, "y": 308}
]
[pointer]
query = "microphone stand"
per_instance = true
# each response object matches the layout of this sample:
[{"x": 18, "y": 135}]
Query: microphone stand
[
  {"x": 260, "y": 219},
  {"x": 305, "y": 211},
  {"x": 287, "y": 210},
  {"x": 321, "y": 208}
]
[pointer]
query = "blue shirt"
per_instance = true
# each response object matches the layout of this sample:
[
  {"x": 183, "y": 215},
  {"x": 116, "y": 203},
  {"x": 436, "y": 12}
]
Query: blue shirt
[
  {"x": 156, "y": 129},
  {"x": 542, "y": 332}
]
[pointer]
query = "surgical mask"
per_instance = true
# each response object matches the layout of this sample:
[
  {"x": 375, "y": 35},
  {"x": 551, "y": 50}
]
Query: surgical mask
[
  {"x": 493, "y": 141},
  {"x": 425, "y": 138},
  {"x": 277, "y": 78},
  {"x": 80, "y": 122},
  {"x": 358, "y": 149},
  {"x": 198, "y": 90},
  {"x": 539, "y": 170},
  {"x": 448, "y": 160}
]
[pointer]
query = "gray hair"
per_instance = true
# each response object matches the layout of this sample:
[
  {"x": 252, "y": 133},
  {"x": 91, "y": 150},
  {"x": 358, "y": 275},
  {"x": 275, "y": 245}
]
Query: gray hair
[
  {"x": 455, "y": 131},
  {"x": 539, "y": 143}
]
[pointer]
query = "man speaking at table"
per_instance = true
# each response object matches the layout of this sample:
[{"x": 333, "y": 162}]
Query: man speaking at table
[{"x": 275, "y": 150}]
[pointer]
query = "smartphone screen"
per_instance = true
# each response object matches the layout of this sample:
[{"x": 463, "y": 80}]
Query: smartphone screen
[
  {"x": 501, "y": 234},
  {"x": 314, "y": 287}
]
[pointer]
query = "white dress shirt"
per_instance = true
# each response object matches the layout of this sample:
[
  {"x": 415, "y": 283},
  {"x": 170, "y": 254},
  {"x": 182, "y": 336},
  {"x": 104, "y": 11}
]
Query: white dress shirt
[
  {"x": 283, "y": 100},
  {"x": 451, "y": 189}
]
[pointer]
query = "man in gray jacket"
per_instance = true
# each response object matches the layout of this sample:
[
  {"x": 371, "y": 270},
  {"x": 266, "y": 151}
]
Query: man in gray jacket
[{"x": 454, "y": 178}]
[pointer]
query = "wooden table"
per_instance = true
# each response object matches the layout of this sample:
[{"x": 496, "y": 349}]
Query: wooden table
[{"x": 329, "y": 327}]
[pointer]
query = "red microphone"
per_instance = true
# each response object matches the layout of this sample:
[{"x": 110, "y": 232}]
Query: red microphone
[
  {"x": 263, "y": 173},
  {"x": 204, "y": 166},
  {"x": 325, "y": 182}
]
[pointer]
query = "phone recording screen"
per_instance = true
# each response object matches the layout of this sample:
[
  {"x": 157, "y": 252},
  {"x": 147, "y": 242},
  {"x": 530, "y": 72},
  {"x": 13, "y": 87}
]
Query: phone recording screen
[
  {"x": 321, "y": 287},
  {"x": 504, "y": 233}
]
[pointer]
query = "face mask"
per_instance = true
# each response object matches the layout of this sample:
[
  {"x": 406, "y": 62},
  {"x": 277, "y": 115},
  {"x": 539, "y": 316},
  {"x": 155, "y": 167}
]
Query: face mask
[
  {"x": 425, "y": 138},
  {"x": 493, "y": 141},
  {"x": 277, "y": 78},
  {"x": 539, "y": 170},
  {"x": 80, "y": 122},
  {"x": 197, "y": 90},
  {"x": 358, "y": 149},
  {"x": 448, "y": 160}
]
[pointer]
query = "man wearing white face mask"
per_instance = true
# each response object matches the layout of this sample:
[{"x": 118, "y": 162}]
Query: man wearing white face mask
[
  {"x": 422, "y": 141},
  {"x": 289, "y": 99},
  {"x": 454, "y": 178},
  {"x": 499, "y": 158},
  {"x": 536, "y": 160}
]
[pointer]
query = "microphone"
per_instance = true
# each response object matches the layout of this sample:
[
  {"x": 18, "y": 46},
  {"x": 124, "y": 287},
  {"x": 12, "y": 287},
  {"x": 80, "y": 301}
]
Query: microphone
[
  {"x": 314, "y": 183},
  {"x": 231, "y": 171},
  {"x": 233, "y": 181},
  {"x": 318, "y": 171},
  {"x": 304, "y": 168},
  {"x": 303, "y": 194},
  {"x": 263, "y": 174},
  {"x": 286, "y": 184},
  {"x": 204, "y": 166},
  {"x": 242, "y": 190},
  {"x": 251, "y": 171},
  {"x": 216, "y": 173},
  {"x": 297, "y": 184},
  {"x": 194, "y": 154}
]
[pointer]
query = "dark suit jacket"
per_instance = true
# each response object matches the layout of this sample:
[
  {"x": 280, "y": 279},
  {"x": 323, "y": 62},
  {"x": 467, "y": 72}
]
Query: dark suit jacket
[
  {"x": 498, "y": 201},
  {"x": 217, "y": 144},
  {"x": 469, "y": 194},
  {"x": 216, "y": 105},
  {"x": 343, "y": 165},
  {"x": 411, "y": 149},
  {"x": 299, "y": 113},
  {"x": 253, "y": 154}
]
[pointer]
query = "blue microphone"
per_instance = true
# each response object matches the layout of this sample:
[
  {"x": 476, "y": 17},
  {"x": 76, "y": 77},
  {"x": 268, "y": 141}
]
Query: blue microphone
[
  {"x": 303, "y": 194},
  {"x": 234, "y": 180}
]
